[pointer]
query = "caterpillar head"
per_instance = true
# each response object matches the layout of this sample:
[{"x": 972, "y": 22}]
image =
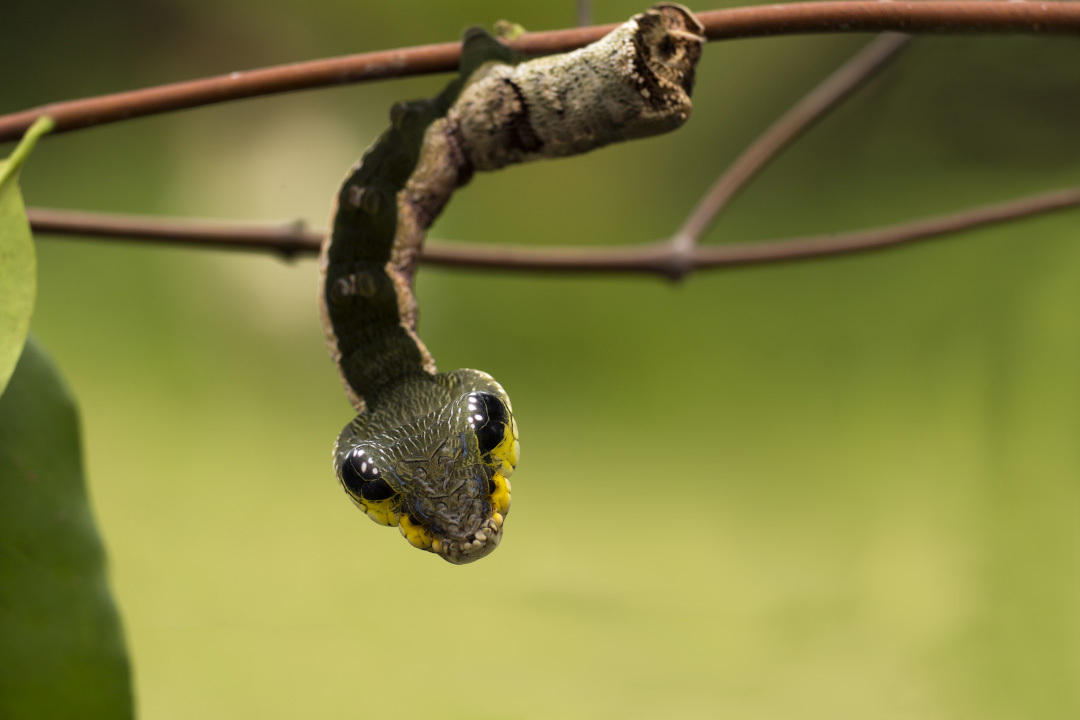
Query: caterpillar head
[{"x": 442, "y": 478}]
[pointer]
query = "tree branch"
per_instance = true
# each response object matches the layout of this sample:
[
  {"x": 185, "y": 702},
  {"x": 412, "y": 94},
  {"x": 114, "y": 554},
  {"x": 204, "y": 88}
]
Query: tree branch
[
  {"x": 891, "y": 236},
  {"x": 656, "y": 258},
  {"x": 926, "y": 16},
  {"x": 287, "y": 239},
  {"x": 812, "y": 107}
]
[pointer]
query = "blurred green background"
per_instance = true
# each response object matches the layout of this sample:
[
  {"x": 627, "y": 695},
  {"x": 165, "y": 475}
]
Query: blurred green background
[{"x": 839, "y": 489}]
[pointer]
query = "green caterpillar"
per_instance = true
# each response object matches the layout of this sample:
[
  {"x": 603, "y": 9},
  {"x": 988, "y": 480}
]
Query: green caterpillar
[{"x": 432, "y": 452}]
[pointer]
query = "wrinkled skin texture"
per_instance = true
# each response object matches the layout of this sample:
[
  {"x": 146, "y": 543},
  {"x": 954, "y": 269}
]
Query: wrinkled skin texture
[{"x": 444, "y": 473}]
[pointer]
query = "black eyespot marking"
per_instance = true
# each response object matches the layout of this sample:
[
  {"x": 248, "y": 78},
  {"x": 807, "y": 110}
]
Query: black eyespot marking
[
  {"x": 488, "y": 417},
  {"x": 376, "y": 490},
  {"x": 362, "y": 478}
]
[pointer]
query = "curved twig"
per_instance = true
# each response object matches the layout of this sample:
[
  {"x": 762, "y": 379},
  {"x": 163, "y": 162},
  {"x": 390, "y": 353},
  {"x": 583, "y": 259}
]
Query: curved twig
[
  {"x": 812, "y": 107},
  {"x": 287, "y": 239},
  {"x": 656, "y": 258},
  {"x": 926, "y": 16}
]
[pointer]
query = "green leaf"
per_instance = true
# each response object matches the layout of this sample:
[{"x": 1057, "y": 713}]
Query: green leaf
[
  {"x": 61, "y": 645},
  {"x": 18, "y": 268}
]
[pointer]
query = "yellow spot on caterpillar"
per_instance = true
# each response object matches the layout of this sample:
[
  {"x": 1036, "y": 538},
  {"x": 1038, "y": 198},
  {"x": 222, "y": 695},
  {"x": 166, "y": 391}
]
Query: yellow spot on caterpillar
[
  {"x": 415, "y": 534},
  {"x": 384, "y": 512},
  {"x": 508, "y": 450},
  {"x": 500, "y": 499}
]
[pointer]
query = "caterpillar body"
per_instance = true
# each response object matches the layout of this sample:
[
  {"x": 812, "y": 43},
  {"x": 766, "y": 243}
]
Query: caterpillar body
[{"x": 429, "y": 452}]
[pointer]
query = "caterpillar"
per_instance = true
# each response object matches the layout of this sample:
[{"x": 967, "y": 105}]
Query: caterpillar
[{"x": 430, "y": 452}]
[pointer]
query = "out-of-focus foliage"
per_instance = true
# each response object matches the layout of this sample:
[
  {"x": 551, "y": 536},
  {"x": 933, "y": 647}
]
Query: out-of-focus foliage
[
  {"x": 18, "y": 266},
  {"x": 61, "y": 648},
  {"x": 840, "y": 489}
]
